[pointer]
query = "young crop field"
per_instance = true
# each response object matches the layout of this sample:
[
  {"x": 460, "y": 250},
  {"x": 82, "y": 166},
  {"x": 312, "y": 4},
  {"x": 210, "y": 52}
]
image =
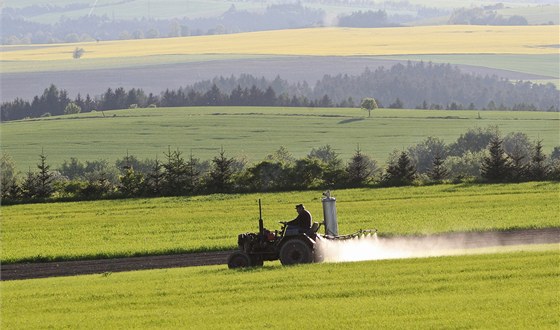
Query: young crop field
[
  {"x": 251, "y": 132},
  {"x": 496, "y": 291},
  {"x": 85, "y": 230}
]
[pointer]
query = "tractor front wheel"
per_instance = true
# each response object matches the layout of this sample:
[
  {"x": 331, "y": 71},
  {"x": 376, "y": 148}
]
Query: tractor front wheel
[
  {"x": 295, "y": 251},
  {"x": 238, "y": 259}
]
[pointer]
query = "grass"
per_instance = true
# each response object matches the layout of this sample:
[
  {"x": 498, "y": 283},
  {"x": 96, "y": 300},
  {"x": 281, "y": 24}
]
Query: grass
[
  {"x": 103, "y": 229},
  {"x": 499, "y": 291},
  {"x": 454, "y": 39},
  {"x": 251, "y": 132}
]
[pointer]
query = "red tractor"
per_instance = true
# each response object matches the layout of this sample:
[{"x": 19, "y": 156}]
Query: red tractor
[{"x": 289, "y": 244}]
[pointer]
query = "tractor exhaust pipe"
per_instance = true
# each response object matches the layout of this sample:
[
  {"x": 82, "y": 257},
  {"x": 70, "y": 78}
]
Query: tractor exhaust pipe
[
  {"x": 329, "y": 214},
  {"x": 261, "y": 225}
]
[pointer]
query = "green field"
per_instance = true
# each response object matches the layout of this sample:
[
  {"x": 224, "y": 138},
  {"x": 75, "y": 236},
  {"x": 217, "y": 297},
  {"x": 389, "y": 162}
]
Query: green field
[
  {"x": 97, "y": 229},
  {"x": 498, "y": 291},
  {"x": 545, "y": 65},
  {"x": 251, "y": 132}
]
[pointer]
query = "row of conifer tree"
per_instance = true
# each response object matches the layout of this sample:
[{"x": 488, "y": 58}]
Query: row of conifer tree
[{"x": 479, "y": 155}]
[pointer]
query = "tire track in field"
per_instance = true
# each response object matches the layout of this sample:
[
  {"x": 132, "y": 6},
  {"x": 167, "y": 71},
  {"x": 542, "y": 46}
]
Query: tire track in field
[{"x": 100, "y": 266}]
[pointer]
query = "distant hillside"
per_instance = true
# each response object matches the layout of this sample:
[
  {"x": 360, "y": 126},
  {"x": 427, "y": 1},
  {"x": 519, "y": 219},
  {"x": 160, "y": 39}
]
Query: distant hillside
[
  {"x": 71, "y": 22},
  {"x": 415, "y": 85}
]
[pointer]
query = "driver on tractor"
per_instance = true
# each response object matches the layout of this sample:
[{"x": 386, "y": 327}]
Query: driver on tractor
[{"x": 303, "y": 221}]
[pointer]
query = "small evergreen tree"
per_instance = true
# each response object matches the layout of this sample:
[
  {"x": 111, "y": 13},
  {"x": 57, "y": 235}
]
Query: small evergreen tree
[
  {"x": 193, "y": 175},
  {"x": 175, "y": 174},
  {"x": 538, "y": 169},
  {"x": 400, "y": 172},
  {"x": 438, "y": 171},
  {"x": 44, "y": 178},
  {"x": 29, "y": 185},
  {"x": 497, "y": 166},
  {"x": 131, "y": 182},
  {"x": 221, "y": 174},
  {"x": 518, "y": 171},
  {"x": 360, "y": 169},
  {"x": 154, "y": 180}
]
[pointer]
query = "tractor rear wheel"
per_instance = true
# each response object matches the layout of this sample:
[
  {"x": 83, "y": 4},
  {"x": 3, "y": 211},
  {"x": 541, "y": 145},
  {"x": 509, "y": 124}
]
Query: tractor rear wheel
[
  {"x": 295, "y": 251},
  {"x": 238, "y": 259}
]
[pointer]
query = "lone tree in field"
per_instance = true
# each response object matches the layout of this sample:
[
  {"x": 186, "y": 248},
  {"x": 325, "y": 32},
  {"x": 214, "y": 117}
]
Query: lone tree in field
[
  {"x": 497, "y": 166},
  {"x": 369, "y": 104},
  {"x": 77, "y": 53}
]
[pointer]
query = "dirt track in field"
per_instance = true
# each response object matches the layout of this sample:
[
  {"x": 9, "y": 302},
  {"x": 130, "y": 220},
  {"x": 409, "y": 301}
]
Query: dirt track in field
[{"x": 71, "y": 268}]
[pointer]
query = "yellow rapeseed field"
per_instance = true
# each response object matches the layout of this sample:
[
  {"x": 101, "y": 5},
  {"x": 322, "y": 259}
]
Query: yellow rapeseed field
[{"x": 455, "y": 39}]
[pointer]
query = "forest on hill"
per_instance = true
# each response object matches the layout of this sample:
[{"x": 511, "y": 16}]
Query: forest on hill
[{"x": 415, "y": 85}]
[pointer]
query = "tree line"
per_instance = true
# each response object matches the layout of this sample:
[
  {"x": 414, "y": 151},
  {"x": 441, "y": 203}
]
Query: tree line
[
  {"x": 479, "y": 155},
  {"x": 415, "y": 85},
  {"x": 19, "y": 30},
  {"x": 484, "y": 16}
]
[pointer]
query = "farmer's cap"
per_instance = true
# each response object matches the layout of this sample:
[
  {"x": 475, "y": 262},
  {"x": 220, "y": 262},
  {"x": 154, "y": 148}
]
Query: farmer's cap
[{"x": 300, "y": 205}]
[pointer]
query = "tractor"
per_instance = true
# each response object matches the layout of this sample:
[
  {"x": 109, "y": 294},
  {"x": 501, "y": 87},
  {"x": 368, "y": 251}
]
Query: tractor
[{"x": 290, "y": 245}]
